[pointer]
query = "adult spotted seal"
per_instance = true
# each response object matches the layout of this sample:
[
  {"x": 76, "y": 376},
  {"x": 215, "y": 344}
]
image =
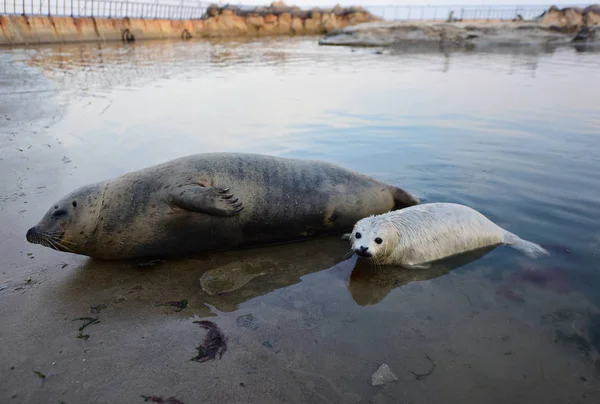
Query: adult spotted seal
[
  {"x": 209, "y": 202},
  {"x": 419, "y": 235}
]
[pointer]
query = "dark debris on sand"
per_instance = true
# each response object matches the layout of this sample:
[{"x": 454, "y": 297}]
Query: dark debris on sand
[
  {"x": 177, "y": 304},
  {"x": 160, "y": 400},
  {"x": 95, "y": 309},
  {"x": 214, "y": 343}
]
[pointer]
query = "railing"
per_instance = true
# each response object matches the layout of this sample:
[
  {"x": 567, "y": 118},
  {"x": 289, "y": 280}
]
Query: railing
[
  {"x": 176, "y": 10},
  {"x": 189, "y": 9},
  {"x": 462, "y": 12}
]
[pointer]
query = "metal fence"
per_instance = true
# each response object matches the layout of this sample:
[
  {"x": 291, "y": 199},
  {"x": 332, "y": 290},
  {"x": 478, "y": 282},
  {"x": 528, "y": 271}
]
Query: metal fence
[
  {"x": 462, "y": 12},
  {"x": 176, "y": 10},
  {"x": 189, "y": 9}
]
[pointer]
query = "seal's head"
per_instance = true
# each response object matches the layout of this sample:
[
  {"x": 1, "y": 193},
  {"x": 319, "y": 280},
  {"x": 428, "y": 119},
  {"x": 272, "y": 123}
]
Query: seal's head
[
  {"x": 68, "y": 224},
  {"x": 374, "y": 237}
]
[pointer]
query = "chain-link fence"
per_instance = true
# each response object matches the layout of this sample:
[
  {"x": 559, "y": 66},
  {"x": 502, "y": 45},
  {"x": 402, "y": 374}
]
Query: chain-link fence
[
  {"x": 105, "y": 8},
  {"x": 461, "y": 12},
  {"x": 189, "y": 9}
]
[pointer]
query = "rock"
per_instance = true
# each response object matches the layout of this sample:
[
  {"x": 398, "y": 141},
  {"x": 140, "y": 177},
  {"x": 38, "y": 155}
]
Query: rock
[
  {"x": 285, "y": 25},
  {"x": 592, "y": 17},
  {"x": 303, "y": 14},
  {"x": 588, "y": 34},
  {"x": 285, "y": 17},
  {"x": 255, "y": 21},
  {"x": 297, "y": 26},
  {"x": 270, "y": 19},
  {"x": 382, "y": 376},
  {"x": 568, "y": 19},
  {"x": 313, "y": 26},
  {"x": 235, "y": 275}
]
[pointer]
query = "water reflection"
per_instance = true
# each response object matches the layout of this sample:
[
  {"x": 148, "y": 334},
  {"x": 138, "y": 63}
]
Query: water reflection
[
  {"x": 229, "y": 279},
  {"x": 111, "y": 64},
  {"x": 370, "y": 285}
]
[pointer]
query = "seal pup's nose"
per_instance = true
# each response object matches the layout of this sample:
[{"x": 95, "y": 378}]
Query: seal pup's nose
[{"x": 362, "y": 251}]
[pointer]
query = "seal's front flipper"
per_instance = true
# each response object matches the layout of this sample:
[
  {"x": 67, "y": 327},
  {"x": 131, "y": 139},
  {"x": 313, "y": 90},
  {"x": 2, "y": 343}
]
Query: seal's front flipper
[{"x": 209, "y": 200}]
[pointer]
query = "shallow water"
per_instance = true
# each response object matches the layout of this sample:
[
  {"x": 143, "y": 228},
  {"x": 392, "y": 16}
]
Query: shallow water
[{"x": 512, "y": 133}]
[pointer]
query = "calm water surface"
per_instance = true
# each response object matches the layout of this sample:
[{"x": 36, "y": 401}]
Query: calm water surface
[{"x": 513, "y": 134}]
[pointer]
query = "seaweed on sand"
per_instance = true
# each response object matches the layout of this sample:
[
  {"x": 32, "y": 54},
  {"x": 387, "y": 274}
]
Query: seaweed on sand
[
  {"x": 421, "y": 376},
  {"x": 160, "y": 400},
  {"x": 88, "y": 321},
  {"x": 214, "y": 343}
]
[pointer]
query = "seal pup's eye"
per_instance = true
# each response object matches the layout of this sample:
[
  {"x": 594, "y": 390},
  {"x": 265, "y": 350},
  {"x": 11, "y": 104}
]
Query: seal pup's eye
[
  {"x": 358, "y": 235},
  {"x": 378, "y": 240},
  {"x": 74, "y": 203}
]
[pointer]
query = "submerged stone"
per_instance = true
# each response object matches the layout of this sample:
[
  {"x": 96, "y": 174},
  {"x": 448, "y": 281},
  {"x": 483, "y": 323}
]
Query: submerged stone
[{"x": 235, "y": 275}]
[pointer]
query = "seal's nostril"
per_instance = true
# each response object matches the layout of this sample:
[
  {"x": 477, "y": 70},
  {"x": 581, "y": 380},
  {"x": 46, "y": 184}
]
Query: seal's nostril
[
  {"x": 30, "y": 234},
  {"x": 363, "y": 248}
]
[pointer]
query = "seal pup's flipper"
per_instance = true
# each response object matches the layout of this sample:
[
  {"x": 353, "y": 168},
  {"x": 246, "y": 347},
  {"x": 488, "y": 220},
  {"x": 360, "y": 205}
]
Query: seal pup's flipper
[{"x": 209, "y": 200}]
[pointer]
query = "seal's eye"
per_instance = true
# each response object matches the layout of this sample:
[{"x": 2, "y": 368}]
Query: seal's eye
[
  {"x": 358, "y": 235},
  {"x": 74, "y": 203},
  {"x": 59, "y": 213},
  {"x": 378, "y": 240}
]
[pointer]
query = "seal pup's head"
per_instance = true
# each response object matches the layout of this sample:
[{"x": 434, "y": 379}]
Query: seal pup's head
[
  {"x": 374, "y": 237},
  {"x": 68, "y": 224}
]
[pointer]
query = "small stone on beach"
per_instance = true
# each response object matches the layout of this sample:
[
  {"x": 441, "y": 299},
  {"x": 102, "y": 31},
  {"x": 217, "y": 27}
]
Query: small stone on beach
[{"x": 383, "y": 375}]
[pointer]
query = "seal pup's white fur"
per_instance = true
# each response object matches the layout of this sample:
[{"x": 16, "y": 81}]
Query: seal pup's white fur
[{"x": 420, "y": 234}]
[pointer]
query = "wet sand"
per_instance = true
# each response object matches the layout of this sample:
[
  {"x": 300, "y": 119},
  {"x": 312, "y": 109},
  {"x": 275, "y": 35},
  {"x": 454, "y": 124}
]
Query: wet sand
[{"x": 321, "y": 324}]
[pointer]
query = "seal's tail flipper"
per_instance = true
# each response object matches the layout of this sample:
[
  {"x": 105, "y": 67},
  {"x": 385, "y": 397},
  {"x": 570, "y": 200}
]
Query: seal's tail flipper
[
  {"x": 530, "y": 249},
  {"x": 403, "y": 199}
]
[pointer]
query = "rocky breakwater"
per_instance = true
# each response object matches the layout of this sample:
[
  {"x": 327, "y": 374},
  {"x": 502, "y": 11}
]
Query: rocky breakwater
[
  {"x": 279, "y": 19},
  {"x": 553, "y": 27},
  {"x": 227, "y": 21}
]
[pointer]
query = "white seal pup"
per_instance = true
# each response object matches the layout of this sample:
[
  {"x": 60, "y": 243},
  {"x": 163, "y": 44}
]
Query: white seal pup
[{"x": 417, "y": 235}]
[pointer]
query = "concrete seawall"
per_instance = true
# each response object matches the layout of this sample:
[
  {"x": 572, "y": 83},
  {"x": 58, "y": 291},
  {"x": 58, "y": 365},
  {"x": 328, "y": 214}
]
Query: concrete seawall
[{"x": 218, "y": 22}]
